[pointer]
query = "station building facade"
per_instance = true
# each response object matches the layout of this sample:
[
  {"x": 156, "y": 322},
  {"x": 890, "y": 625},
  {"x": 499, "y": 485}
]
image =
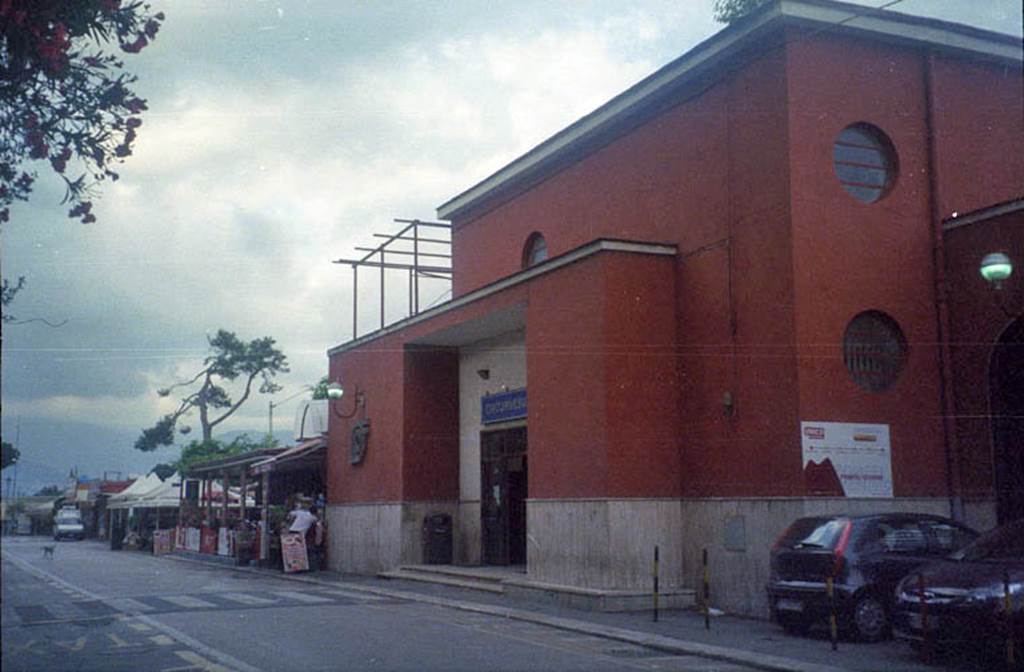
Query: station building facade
[{"x": 742, "y": 291}]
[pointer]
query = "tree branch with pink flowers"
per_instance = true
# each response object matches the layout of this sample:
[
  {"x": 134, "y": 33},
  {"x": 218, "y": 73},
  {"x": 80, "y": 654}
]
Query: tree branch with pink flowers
[{"x": 64, "y": 95}]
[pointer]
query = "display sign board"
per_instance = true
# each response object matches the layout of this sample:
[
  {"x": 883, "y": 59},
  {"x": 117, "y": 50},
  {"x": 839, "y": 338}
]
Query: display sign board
[
  {"x": 846, "y": 459},
  {"x": 293, "y": 552},
  {"x": 503, "y": 406},
  {"x": 192, "y": 539},
  {"x": 163, "y": 542}
]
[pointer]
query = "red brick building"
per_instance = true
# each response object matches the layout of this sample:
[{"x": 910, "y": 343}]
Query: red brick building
[{"x": 744, "y": 290}]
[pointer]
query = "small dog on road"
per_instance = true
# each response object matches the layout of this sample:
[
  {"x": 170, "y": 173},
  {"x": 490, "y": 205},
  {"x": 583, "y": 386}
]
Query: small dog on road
[{"x": 48, "y": 551}]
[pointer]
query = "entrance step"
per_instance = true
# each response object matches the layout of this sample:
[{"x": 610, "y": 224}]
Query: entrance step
[
  {"x": 513, "y": 581},
  {"x": 471, "y": 578}
]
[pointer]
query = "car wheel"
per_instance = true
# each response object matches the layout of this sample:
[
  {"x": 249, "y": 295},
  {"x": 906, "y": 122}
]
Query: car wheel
[
  {"x": 870, "y": 619},
  {"x": 794, "y": 624}
]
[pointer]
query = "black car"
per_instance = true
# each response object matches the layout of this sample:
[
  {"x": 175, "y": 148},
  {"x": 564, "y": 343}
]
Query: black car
[
  {"x": 965, "y": 595},
  {"x": 866, "y": 556}
]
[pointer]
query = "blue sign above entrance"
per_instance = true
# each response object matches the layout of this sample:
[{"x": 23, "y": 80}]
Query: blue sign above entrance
[{"x": 503, "y": 406}]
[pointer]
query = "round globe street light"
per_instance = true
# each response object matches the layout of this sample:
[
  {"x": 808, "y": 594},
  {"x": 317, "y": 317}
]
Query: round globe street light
[{"x": 996, "y": 267}]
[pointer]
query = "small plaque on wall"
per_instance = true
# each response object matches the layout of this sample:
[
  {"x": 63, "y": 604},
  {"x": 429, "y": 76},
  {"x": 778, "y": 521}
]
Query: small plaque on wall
[{"x": 736, "y": 533}]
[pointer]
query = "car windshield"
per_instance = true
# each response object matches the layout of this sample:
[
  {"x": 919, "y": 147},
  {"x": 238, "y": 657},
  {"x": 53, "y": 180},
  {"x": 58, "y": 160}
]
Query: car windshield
[
  {"x": 1004, "y": 543},
  {"x": 68, "y": 518},
  {"x": 813, "y": 533}
]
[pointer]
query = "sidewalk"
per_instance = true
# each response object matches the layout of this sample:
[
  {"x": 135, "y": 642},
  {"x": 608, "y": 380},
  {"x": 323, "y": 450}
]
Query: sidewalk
[{"x": 751, "y": 642}]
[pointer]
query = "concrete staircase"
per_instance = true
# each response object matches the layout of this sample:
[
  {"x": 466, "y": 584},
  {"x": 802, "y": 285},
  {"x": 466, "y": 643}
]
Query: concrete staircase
[
  {"x": 485, "y": 579},
  {"x": 513, "y": 581}
]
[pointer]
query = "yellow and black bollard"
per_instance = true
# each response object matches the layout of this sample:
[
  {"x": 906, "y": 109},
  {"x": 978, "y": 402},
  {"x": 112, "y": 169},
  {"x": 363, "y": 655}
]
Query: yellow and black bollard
[
  {"x": 706, "y": 591},
  {"x": 1011, "y": 653},
  {"x": 655, "y": 584},
  {"x": 833, "y": 625},
  {"x": 926, "y": 627}
]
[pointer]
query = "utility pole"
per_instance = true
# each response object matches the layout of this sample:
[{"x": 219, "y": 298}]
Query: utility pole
[{"x": 17, "y": 444}]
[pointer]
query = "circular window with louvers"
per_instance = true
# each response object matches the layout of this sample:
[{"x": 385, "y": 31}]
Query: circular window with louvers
[
  {"x": 874, "y": 350},
  {"x": 865, "y": 162}
]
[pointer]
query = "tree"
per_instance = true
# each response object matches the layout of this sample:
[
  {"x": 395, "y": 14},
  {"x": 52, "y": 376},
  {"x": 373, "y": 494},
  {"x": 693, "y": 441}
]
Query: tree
[
  {"x": 50, "y": 491},
  {"x": 9, "y": 291},
  {"x": 63, "y": 98},
  {"x": 10, "y": 454},
  {"x": 320, "y": 389},
  {"x": 730, "y": 11},
  {"x": 229, "y": 360},
  {"x": 164, "y": 471},
  {"x": 198, "y": 452}
]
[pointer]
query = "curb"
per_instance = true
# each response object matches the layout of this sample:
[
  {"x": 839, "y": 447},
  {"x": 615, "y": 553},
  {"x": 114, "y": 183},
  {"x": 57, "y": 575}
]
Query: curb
[{"x": 658, "y": 642}]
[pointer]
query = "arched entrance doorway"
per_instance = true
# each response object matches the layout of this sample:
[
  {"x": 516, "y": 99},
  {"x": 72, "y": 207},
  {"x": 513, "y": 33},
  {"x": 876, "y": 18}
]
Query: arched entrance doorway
[{"x": 1006, "y": 390}]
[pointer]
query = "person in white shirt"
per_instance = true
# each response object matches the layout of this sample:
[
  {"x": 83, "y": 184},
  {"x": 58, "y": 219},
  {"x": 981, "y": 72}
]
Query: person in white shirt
[{"x": 302, "y": 520}]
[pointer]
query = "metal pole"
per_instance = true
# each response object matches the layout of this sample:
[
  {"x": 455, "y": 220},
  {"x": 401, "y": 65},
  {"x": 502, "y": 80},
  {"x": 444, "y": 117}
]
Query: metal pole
[
  {"x": 264, "y": 515},
  {"x": 416, "y": 263},
  {"x": 655, "y": 584},
  {"x": 355, "y": 299},
  {"x": 382, "y": 262},
  {"x": 833, "y": 625},
  {"x": 707, "y": 590},
  {"x": 270, "y": 421},
  {"x": 224, "y": 498},
  {"x": 1011, "y": 653}
]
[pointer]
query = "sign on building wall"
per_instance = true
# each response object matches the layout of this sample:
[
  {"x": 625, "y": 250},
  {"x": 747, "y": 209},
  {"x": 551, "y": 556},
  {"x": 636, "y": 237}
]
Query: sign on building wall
[
  {"x": 846, "y": 459},
  {"x": 503, "y": 406}
]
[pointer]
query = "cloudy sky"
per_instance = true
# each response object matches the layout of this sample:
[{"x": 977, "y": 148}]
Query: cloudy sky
[{"x": 280, "y": 135}]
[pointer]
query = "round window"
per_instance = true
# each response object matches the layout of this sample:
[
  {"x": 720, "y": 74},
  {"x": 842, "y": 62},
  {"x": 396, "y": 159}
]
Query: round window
[
  {"x": 874, "y": 350},
  {"x": 865, "y": 162}
]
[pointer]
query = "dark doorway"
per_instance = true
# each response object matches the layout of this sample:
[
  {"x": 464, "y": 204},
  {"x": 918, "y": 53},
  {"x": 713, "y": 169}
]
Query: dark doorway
[
  {"x": 503, "y": 471},
  {"x": 1006, "y": 378}
]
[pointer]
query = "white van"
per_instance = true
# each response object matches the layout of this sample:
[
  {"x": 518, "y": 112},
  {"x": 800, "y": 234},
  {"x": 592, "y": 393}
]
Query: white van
[{"x": 68, "y": 524}]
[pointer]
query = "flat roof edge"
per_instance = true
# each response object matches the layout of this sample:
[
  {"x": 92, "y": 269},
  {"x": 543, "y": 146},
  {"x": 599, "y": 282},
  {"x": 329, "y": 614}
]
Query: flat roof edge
[{"x": 549, "y": 266}]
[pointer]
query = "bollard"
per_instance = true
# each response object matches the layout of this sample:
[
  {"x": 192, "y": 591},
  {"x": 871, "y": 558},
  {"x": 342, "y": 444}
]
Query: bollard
[
  {"x": 926, "y": 641},
  {"x": 1011, "y": 654},
  {"x": 833, "y": 626},
  {"x": 655, "y": 584},
  {"x": 706, "y": 591}
]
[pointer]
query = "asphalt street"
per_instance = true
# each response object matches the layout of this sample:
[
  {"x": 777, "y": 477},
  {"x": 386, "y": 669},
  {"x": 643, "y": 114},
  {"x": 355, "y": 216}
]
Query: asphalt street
[{"x": 88, "y": 608}]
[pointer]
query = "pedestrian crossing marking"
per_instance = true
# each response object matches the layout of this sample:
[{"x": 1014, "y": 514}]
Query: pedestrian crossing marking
[
  {"x": 161, "y": 640},
  {"x": 76, "y": 645},
  {"x": 364, "y": 597},
  {"x": 187, "y": 601},
  {"x": 242, "y": 598},
  {"x": 120, "y": 643},
  {"x": 128, "y": 604},
  {"x": 302, "y": 597},
  {"x": 196, "y": 662}
]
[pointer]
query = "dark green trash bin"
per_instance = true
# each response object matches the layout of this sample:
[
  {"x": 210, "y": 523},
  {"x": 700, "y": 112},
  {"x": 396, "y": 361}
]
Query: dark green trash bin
[{"x": 437, "y": 539}]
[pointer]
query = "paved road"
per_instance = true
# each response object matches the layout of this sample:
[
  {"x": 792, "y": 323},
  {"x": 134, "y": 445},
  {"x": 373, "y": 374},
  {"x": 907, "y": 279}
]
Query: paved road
[{"x": 88, "y": 608}]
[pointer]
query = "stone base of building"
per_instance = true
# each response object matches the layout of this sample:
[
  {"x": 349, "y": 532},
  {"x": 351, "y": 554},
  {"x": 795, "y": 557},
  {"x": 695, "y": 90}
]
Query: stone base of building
[{"x": 599, "y": 553}]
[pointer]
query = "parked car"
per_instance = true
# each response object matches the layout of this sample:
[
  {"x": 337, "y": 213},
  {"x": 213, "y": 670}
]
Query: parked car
[
  {"x": 68, "y": 525},
  {"x": 866, "y": 556},
  {"x": 965, "y": 594}
]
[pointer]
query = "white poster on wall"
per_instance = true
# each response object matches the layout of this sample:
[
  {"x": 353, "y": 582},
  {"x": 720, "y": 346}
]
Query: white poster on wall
[{"x": 846, "y": 459}]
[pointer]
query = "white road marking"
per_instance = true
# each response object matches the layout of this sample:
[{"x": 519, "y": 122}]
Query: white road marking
[
  {"x": 185, "y": 639},
  {"x": 242, "y": 598},
  {"x": 140, "y": 627},
  {"x": 302, "y": 597},
  {"x": 161, "y": 640},
  {"x": 363, "y": 597},
  {"x": 187, "y": 601},
  {"x": 128, "y": 604}
]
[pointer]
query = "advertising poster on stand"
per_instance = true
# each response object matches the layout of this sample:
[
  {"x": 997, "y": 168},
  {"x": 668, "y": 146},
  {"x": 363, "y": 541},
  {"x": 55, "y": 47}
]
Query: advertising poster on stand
[{"x": 844, "y": 459}]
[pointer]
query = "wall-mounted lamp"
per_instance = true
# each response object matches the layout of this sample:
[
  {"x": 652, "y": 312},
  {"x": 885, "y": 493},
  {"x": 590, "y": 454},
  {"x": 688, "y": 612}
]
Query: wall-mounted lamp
[
  {"x": 335, "y": 392},
  {"x": 996, "y": 268},
  {"x": 484, "y": 374}
]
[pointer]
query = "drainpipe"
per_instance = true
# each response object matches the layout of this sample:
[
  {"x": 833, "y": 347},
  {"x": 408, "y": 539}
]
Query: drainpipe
[{"x": 948, "y": 400}]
